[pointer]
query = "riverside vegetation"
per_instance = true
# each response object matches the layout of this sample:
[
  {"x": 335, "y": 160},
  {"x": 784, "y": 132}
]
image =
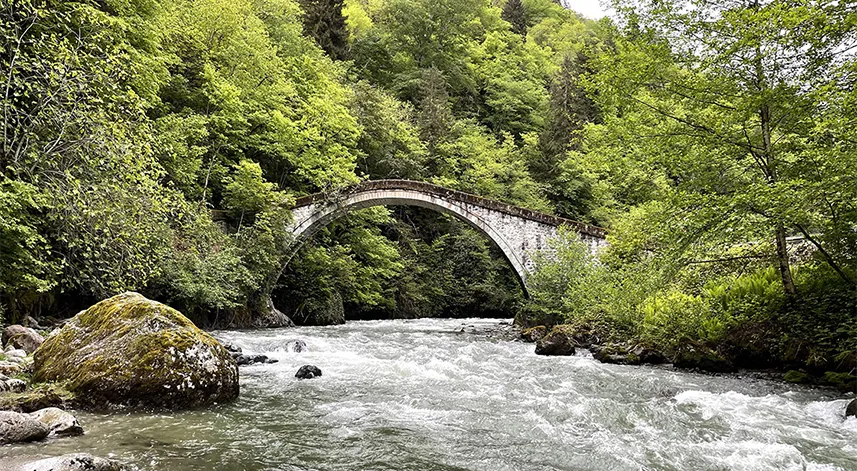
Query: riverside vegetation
[{"x": 157, "y": 146}]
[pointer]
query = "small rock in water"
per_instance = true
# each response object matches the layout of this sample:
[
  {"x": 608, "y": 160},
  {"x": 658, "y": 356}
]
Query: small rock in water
[
  {"x": 308, "y": 372},
  {"x": 245, "y": 359},
  {"x": 16, "y": 427},
  {"x": 74, "y": 462},
  {"x": 470, "y": 328},
  {"x": 8, "y": 384},
  {"x": 232, "y": 349},
  {"x": 61, "y": 423},
  {"x": 296, "y": 346},
  {"x": 851, "y": 410}
]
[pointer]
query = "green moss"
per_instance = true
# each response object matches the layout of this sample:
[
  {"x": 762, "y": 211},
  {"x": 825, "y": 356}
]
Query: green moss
[
  {"x": 842, "y": 381},
  {"x": 38, "y": 396},
  {"x": 794, "y": 376}
]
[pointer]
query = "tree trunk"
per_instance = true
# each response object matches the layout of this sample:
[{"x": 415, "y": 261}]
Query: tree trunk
[{"x": 783, "y": 260}]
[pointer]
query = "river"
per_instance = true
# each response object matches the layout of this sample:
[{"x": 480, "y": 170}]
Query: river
[{"x": 417, "y": 395}]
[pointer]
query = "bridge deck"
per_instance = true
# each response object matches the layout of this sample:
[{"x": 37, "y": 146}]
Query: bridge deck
[{"x": 423, "y": 187}]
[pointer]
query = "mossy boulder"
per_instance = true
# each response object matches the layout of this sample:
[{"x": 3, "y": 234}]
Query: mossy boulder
[
  {"x": 534, "y": 334},
  {"x": 702, "y": 358},
  {"x": 613, "y": 353},
  {"x": 134, "y": 352},
  {"x": 559, "y": 342},
  {"x": 623, "y": 354}
]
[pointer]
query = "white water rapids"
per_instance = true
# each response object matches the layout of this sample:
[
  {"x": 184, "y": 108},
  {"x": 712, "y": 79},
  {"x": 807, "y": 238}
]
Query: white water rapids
[{"x": 416, "y": 395}]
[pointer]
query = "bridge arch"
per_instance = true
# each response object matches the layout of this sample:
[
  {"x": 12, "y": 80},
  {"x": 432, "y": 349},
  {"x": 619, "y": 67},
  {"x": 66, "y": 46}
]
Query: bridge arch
[{"x": 518, "y": 232}]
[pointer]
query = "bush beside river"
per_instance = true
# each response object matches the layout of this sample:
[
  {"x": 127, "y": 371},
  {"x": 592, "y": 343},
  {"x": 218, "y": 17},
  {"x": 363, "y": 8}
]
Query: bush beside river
[{"x": 701, "y": 318}]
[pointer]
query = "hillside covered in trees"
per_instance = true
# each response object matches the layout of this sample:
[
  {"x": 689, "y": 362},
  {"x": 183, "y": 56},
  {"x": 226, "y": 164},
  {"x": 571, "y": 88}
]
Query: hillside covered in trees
[{"x": 158, "y": 146}]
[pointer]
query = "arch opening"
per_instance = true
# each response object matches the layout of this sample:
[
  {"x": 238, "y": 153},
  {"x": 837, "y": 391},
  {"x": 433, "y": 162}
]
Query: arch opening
[{"x": 312, "y": 218}]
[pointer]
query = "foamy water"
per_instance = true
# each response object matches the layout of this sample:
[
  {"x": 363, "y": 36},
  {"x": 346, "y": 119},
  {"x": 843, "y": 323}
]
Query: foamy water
[{"x": 415, "y": 395}]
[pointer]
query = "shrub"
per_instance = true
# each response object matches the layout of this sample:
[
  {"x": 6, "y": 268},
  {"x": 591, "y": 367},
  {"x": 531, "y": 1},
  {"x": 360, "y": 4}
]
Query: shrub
[{"x": 676, "y": 318}]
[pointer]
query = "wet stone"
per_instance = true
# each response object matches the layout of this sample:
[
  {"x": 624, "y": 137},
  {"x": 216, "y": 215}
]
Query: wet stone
[{"x": 308, "y": 372}]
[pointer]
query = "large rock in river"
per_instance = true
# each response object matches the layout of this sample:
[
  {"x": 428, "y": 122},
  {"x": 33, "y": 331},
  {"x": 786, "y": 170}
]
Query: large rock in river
[
  {"x": 702, "y": 358},
  {"x": 559, "y": 341},
  {"x": 60, "y": 422},
  {"x": 16, "y": 427},
  {"x": 131, "y": 351},
  {"x": 534, "y": 334},
  {"x": 851, "y": 409}
]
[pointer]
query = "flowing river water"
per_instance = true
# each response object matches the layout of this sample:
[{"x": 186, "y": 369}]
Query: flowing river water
[{"x": 418, "y": 395}]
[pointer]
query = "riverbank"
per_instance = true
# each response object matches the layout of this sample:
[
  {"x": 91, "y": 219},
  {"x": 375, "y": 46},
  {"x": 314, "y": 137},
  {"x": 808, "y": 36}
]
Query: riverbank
[{"x": 505, "y": 330}]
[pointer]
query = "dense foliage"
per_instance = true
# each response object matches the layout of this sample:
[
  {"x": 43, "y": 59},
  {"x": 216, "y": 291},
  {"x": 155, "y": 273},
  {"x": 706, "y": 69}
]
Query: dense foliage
[
  {"x": 724, "y": 162},
  {"x": 158, "y": 145}
]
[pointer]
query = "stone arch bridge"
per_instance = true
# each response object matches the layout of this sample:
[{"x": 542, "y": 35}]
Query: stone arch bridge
[{"x": 518, "y": 232}]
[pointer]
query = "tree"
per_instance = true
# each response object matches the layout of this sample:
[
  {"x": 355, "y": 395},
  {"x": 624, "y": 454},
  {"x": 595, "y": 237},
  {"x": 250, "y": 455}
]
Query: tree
[
  {"x": 245, "y": 191},
  {"x": 511, "y": 75},
  {"x": 435, "y": 116},
  {"x": 389, "y": 141},
  {"x": 725, "y": 96},
  {"x": 513, "y": 12},
  {"x": 424, "y": 34},
  {"x": 22, "y": 248},
  {"x": 571, "y": 109},
  {"x": 324, "y": 22}
]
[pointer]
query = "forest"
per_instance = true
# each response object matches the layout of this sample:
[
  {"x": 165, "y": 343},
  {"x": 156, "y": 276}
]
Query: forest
[{"x": 158, "y": 146}]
